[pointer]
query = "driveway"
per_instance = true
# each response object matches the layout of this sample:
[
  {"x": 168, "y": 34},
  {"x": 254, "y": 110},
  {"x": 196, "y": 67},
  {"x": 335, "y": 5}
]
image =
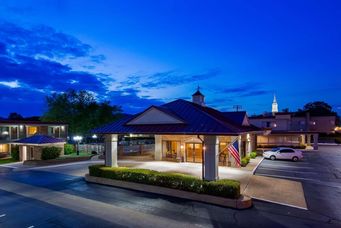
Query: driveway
[
  {"x": 320, "y": 175},
  {"x": 52, "y": 197}
]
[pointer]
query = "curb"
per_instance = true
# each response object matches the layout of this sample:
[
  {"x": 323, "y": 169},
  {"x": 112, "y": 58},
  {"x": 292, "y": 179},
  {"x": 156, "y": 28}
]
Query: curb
[
  {"x": 243, "y": 202},
  {"x": 254, "y": 169}
]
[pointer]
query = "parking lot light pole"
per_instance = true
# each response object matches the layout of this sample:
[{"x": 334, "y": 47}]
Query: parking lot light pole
[{"x": 77, "y": 139}]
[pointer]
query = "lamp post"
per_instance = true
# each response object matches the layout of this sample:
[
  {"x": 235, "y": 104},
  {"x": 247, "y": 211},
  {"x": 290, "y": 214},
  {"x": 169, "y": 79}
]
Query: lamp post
[{"x": 77, "y": 139}]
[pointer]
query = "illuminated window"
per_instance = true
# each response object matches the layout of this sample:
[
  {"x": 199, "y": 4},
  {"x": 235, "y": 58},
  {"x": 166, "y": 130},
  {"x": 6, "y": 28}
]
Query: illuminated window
[
  {"x": 32, "y": 130},
  {"x": 4, "y": 148}
]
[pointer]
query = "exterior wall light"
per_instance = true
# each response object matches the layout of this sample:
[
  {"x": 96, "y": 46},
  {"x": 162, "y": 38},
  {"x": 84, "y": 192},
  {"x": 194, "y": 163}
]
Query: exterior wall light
[{"x": 94, "y": 136}]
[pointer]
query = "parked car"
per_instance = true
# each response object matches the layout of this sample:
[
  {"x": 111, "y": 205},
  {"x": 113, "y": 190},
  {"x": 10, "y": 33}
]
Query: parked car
[{"x": 283, "y": 153}]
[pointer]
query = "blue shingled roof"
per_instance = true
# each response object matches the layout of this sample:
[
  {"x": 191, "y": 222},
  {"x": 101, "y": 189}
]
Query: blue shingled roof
[
  {"x": 39, "y": 139},
  {"x": 197, "y": 120}
]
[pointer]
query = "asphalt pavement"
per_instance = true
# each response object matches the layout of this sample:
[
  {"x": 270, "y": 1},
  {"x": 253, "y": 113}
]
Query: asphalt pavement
[
  {"x": 58, "y": 197},
  {"x": 320, "y": 174}
]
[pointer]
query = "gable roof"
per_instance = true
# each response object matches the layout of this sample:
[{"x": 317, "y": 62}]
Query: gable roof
[
  {"x": 155, "y": 115},
  {"x": 196, "y": 120},
  {"x": 39, "y": 139}
]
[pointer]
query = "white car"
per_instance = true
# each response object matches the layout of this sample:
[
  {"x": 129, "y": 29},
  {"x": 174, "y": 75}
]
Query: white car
[{"x": 283, "y": 153}]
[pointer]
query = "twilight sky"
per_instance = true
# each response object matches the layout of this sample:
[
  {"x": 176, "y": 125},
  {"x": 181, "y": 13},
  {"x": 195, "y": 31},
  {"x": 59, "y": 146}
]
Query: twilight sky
[{"x": 139, "y": 53}]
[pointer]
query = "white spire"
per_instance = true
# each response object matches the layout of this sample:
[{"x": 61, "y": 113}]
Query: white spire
[{"x": 274, "y": 105}]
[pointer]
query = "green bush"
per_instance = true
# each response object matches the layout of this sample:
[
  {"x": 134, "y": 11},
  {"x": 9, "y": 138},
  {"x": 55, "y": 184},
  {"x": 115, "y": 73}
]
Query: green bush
[
  {"x": 253, "y": 155},
  {"x": 244, "y": 161},
  {"x": 224, "y": 188},
  {"x": 50, "y": 153},
  {"x": 69, "y": 149},
  {"x": 15, "y": 152}
]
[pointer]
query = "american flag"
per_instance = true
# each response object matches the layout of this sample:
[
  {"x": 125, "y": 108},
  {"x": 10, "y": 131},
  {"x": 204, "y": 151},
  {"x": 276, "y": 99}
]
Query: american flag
[{"x": 234, "y": 151}]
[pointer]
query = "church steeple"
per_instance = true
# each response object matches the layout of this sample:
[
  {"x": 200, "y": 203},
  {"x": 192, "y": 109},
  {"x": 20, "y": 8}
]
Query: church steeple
[
  {"x": 198, "y": 97},
  {"x": 274, "y": 105}
]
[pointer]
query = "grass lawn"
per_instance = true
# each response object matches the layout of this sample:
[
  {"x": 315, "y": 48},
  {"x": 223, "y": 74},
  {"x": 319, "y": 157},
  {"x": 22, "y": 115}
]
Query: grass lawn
[{"x": 6, "y": 160}]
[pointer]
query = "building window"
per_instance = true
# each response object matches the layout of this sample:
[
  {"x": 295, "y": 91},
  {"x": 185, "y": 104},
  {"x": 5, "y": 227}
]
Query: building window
[
  {"x": 32, "y": 130},
  {"x": 4, "y": 148},
  {"x": 14, "y": 132},
  {"x": 170, "y": 149}
]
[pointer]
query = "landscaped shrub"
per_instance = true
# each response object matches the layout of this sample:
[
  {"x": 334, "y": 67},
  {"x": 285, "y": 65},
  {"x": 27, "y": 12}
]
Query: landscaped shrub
[
  {"x": 224, "y": 188},
  {"x": 244, "y": 161},
  {"x": 15, "y": 152},
  {"x": 253, "y": 155},
  {"x": 50, "y": 153},
  {"x": 69, "y": 149}
]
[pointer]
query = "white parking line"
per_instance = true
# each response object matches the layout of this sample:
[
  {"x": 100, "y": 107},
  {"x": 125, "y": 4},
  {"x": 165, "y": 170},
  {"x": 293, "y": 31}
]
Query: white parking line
[
  {"x": 30, "y": 226},
  {"x": 291, "y": 171},
  {"x": 3, "y": 215}
]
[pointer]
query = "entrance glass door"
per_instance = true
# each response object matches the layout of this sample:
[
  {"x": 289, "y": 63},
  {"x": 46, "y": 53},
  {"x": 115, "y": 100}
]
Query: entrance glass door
[{"x": 193, "y": 152}]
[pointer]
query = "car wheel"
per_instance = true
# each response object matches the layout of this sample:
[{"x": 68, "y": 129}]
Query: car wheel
[
  {"x": 295, "y": 159},
  {"x": 272, "y": 157}
]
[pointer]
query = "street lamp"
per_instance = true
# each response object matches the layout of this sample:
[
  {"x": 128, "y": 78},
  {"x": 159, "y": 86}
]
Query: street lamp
[{"x": 77, "y": 139}]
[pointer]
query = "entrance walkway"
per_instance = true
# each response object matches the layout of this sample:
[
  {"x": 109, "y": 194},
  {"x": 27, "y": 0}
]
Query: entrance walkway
[{"x": 281, "y": 191}]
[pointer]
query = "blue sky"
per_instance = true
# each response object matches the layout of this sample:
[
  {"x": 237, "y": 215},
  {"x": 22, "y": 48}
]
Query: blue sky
[{"x": 139, "y": 53}]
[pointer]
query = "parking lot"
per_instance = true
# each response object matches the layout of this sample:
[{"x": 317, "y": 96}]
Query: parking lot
[{"x": 320, "y": 174}]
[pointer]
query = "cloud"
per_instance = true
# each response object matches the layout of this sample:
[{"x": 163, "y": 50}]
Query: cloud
[
  {"x": 10, "y": 84},
  {"x": 168, "y": 78},
  {"x": 41, "y": 41},
  {"x": 245, "y": 90},
  {"x": 32, "y": 63},
  {"x": 131, "y": 100}
]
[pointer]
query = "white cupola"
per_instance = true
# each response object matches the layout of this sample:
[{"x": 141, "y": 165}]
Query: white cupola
[{"x": 198, "y": 97}]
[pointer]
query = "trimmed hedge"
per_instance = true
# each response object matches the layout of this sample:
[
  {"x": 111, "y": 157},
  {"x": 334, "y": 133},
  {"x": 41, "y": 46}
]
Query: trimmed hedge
[
  {"x": 15, "y": 152},
  {"x": 244, "y": 161},
  {"x": 69, "y": 149},
  {"x": 224, "y": 188},
  {"x": 50, "y": 153},
  {"x": 253, "y": 155}
]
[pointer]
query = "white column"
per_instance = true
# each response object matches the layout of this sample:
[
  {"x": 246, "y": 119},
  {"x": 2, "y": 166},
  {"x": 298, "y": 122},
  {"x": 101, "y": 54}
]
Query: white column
[
  {"x": 248, "y": 143},
  {"x": 158, "y": 148},
  {"x": 111, "y": 143},
  {"x": 211, "y": 154},
  {"x": 240, "y": 146},
  {"x": 308, "y": 139},
  {"x": 316, "y": 141},
  {"x": 303, "y": 139},
  {"x": 24, "y": 153}
]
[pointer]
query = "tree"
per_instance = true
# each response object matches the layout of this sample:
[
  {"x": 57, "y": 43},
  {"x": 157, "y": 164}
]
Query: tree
[
  {"x": 15, "y": 116},
  {"x": 318, "y": 107},
  {"x": 80, "y": 110}
]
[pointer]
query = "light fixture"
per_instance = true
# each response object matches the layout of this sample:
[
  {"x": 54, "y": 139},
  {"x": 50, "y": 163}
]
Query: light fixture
[
  {"x": 63, "y": 128},
  {"x": 204, "y": 147},
  {"x": 77, "y": 138},
  {"x": 181, "y": 146},
  {"x": 5, "y": 132},
  {"x": 94, "y": 136},
  {"x": 21, "y": 127}
]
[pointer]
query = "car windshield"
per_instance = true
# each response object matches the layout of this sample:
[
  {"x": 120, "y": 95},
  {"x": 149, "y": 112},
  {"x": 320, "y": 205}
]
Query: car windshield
[{"x": 274, "y": 149}]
